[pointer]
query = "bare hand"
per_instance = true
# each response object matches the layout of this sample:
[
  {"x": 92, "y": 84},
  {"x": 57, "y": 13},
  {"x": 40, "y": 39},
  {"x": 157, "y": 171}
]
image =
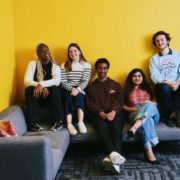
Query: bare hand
[
  {"x": 38, "y": 90},
  {"x": 45, "y": 92},
  {"x": 110, "y": 116},
  {"x": 103, "y": 115},
  {"x": 174, "y": 85},
  {"x": 74, "y": 92}
]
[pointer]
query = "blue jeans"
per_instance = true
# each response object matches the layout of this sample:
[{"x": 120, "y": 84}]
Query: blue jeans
[{"x": 149, "y": 115}]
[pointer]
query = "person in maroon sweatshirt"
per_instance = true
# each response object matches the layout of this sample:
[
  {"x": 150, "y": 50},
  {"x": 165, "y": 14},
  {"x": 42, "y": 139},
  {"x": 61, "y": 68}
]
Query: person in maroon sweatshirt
[{"x": 105, "y": 103}]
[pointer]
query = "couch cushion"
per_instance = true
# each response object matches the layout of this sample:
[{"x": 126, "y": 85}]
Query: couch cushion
[
  {"x": 166, "y": 133},
  {"x": 16, "y": 116},
  {"x": 58, "y": 139}
]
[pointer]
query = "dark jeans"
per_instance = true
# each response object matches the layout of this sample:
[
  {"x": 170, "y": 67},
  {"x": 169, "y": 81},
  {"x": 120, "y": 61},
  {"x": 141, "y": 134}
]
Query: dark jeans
[
  {"x": 168, "y": 100},
  {"x": 110, "y": 132},
  {"x": 72, "y": 103},
  {"x": 53, "y": 101}
]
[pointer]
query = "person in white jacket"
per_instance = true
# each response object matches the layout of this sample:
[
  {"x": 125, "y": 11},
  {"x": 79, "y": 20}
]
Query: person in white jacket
[
  {"x": 42, "y": 79},
  {"x": 165, "y": 73}
]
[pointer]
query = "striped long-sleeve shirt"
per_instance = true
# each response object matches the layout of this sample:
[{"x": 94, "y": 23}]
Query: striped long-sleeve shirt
[{"x": 78, "y": 77}]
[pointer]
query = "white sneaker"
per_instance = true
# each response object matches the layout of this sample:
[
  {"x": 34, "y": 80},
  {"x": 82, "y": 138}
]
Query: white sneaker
[
  {"x": 72, "y": 130},
  {"x": 82, "y": 128},
  {"x": 108, "y": 166},
  {"x": 106, "y": 159},
  {"x": 116, "y": 158}
]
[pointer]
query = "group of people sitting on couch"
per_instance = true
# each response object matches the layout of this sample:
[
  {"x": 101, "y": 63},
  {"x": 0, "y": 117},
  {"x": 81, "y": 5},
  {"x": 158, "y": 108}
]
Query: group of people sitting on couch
[{"x": 67, "y": 91}]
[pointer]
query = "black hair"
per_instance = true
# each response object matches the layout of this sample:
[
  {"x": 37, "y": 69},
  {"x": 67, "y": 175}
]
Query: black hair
[
  {"x": 129, "y": 86},
  {"x": 39, "y": 46},
  {"x": 100, "y": 61},
  {"x": 167, "y": 35}
]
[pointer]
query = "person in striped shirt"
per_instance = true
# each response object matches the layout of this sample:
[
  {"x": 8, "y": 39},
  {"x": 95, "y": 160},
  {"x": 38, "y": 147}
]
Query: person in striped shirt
[
  {"x": 143, "y": 113},
  {"x": 76, "y": 73}
]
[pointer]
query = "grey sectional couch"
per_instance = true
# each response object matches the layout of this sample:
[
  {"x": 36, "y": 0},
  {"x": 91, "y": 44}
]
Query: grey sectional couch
[
  {"x": 31, "y": 155},
  {"x": 38, "y": 155}
]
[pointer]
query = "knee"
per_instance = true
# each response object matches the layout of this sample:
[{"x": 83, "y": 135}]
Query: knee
[
  {"x": 29, "y": 91},
  {"x": 81, "y": 96},
  {"x": 54, "y": 90},
  {"x": 164, "y": 88}
]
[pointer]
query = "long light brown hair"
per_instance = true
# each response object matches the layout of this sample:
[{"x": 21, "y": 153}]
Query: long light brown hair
[{"x": 68, "y": 62}]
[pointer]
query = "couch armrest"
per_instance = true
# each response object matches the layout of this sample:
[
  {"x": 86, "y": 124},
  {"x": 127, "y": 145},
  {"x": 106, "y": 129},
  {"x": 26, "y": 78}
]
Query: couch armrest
[
  {"x": 26, "y": 158},
  {"x": 16, "y": 115}
]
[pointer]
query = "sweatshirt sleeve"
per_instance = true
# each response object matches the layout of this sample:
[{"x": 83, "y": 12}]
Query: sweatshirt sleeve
[
  {"x": 29, "y": 75},
  {"x": 156, "y": 77},
  {"x": 86, "y": 76},
  {"x": 92, "y": 101},
  {"x": 64, "y": 81},
  {"x": 117, "y": 98},
  {"x": 179, "y": 74}
]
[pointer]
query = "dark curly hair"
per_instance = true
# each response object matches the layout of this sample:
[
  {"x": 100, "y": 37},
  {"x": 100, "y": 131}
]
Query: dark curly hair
[
  {"x": 129, "y": 86},
  {"x": 167, "y": 35},
  {"x": 100, "y": 61}
]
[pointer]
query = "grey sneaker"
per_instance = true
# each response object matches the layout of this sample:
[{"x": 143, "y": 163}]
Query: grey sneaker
[
  {"x": 35, "y": 127},
  {"x": 57, "y": 126}
]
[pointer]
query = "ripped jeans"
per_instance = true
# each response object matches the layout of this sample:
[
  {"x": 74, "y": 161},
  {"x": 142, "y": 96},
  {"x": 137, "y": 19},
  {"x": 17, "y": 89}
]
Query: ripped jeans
[{"x": 149, "y": 115}]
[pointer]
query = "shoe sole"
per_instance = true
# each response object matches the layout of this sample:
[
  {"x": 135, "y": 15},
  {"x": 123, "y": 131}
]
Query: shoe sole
[
  {"x": 58, "y": 129},
  {"x": 109, "y": 167}
]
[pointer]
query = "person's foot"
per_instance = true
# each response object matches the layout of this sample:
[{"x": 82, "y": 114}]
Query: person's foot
[
  {"x": 72, "y": 130},
  {"x": 35, "y": 127},
  {"x": 116, "y": 158},
  {"x": 153, "y": 161},
  {"x": 131, "y": 132},
  {"x": 109, "y": 166},
  {"x": 57, "y": 126},
  {"x": 82, "y": 128},
  {"x": 150, "y": 157}
]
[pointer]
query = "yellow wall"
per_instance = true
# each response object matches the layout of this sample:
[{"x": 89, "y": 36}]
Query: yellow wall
[
  {"x": 119, "y": 30},
  {"x": 7, "y": 58}
]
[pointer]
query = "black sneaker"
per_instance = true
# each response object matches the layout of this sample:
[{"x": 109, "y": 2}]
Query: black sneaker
[
  {"x": 57, "y": 126},
  {"x": 108, "y": 166},
  {"x": 171, "y": 122},
  {"x": 35, "y": 127}
]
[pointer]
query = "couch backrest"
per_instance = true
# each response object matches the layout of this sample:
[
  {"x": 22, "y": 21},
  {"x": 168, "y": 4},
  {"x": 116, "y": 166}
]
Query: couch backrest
[{"x": 16, "y": 115}]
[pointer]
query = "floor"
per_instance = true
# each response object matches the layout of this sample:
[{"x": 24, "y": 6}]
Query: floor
[{"x": 83, "y": 162}]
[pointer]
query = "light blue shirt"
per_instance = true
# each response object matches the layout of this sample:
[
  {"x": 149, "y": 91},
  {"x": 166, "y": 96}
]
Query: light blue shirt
[{"x": 165, "y": 67}]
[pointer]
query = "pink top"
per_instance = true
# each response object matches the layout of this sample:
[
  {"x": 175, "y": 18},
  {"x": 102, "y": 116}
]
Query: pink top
[{"x": 138, "y": 96}]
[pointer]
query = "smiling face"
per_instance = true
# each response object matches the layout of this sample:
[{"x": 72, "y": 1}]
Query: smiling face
[
  {"x": 161, "y": 42},
  {"x": 44, "y": 54},
  {"x": 102, "y": 70},
  {"x": 137, "y": 78},
  {"x": 74, "y": 53}
]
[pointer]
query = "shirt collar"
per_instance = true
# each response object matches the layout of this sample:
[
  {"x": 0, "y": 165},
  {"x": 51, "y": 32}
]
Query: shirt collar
[{"x": 169, "y": 53}]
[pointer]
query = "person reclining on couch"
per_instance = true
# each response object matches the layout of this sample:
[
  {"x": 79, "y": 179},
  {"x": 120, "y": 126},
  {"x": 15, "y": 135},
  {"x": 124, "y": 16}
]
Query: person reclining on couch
[
  {"x": 42, "y": 79},
  {"x": 105, "y": 102}
]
